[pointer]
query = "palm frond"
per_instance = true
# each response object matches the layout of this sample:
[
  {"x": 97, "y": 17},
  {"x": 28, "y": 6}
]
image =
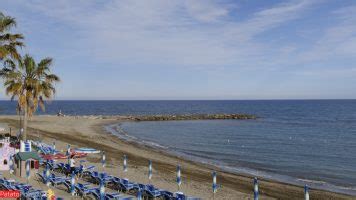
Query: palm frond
[
  {"x": 29, "y": 82},
  {"x": 6, "y": 23}
]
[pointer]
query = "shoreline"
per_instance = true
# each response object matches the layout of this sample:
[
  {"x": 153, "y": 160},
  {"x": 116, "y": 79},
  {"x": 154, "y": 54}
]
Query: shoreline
[
  {"x": 82, "y": 131},
  {"x": 239, "y": 171}
]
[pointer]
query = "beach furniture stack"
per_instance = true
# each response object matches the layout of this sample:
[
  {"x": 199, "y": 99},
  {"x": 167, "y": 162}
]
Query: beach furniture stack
[
  {"x": 88, "y": 176},
  {"x": 26, "y": 191},
  {"x": 102, "y": 180}
]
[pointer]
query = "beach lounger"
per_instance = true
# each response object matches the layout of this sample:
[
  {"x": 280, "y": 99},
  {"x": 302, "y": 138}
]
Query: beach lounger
[
  {"x": 56, "y": 181},
  {"x": 87, "y": 170},
  {"x": 109, "y": 196},
  {"x": 116, "y": 179},
  {"x": 33, "y": 194},
  {"x": 83, "y": 171},
  {"x": 125, "y": 185},
  {"x": 41, "y": 177},
  {"x": 117, "y": 196},
  {"x": 97, "y": 177},
  {"x": 181, "y": 196},
  {"x": 60, "y": 167},
  {"x": 6, "y": 182},
  {"x": 53, "y": 179},
  {"x": 166, "y": 194},
  {"x": 46, "y": 149},
  {"x": 150, "y": 190},
  {"x": 83, "y": 190},
  {"x": 23, "y": 187},
  {"x": 52, "y": 165},
  {"x": 94, "y": 177},
  {"x": 26, "y": 190},
  {"x": 7, "y": 187},
  {"x": 13, "y": 185}
]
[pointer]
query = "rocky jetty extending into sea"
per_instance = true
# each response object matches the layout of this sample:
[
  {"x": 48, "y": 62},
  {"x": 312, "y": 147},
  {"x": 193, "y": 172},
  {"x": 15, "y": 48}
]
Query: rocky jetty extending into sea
[{"x": 193, "y": 117}]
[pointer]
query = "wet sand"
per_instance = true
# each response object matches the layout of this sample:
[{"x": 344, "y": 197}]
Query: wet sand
[{"x": 89, "y": 132}]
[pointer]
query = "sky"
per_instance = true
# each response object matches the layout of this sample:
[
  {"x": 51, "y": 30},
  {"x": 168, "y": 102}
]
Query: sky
[{"x": 193, "y": 49}]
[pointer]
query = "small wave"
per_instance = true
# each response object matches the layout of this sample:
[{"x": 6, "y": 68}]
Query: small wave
[
  {"x": 117, "y": 130},
  {"x": 154, "y": 144},
  {"x": 312, "y": 181},
  {"x": 325, "y": 185}
]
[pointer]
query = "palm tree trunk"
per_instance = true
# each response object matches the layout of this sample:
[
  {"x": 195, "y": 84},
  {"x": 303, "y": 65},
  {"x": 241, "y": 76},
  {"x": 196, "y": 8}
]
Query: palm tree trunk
[{"x": 24, "y": 124}]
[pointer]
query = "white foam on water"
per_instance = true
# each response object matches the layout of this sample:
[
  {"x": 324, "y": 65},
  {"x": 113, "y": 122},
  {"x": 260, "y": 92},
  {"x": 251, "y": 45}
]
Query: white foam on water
[{"x": 116, "y": 130}]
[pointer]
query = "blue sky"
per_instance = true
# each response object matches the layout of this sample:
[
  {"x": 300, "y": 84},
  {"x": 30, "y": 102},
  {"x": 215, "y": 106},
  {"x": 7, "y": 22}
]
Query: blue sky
[{"x": 193, "y": 49}]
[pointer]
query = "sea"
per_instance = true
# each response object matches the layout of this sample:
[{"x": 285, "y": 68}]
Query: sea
[{"x": 293, "y": 141}]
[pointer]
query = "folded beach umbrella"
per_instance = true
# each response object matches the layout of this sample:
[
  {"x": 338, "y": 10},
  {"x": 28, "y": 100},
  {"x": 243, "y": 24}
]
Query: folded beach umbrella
[
  {"x": 103, "y": 159},
  {"x": 68, "y": 150},
  {"x": 28, "y": 170},
  {"x": 68, "y": 153},
  {"x": 255, "y": 189},
  {"x": 139, "y": 194},
  {"x": 306, "y": 192},
  {"x": 179, "y": 181},
  {"x": 214, "y": 183},
  {"x": 72, "y": 183},
  {"x": 11, "y": 164},
  {"x": 102, "y": 188},
  {"x": 47, "y": 174},
  {"x": 125, "y": 163},
  {"x": 54, "y": 147},
  {"x": 149, "y": 170}
]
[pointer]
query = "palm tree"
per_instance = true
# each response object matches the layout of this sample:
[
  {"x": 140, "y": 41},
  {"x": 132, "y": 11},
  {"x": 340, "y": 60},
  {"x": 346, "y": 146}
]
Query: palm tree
[
  {"x": 31, "y": 83},
  {"x": 9, "y": 42}
]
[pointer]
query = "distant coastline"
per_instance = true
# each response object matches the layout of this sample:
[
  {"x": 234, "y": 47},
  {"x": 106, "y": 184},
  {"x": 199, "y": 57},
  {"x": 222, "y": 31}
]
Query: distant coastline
[
  {"x": 169, "y": 117},
  {"x": 193, "y": 117}
]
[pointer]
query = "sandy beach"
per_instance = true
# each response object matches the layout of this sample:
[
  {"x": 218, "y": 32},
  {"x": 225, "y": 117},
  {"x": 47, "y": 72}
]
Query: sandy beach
[{"x": 88, "y": 131}]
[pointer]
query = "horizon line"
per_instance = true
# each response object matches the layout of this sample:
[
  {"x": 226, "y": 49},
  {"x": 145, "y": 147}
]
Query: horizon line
[{"x": 276, "y": 99}]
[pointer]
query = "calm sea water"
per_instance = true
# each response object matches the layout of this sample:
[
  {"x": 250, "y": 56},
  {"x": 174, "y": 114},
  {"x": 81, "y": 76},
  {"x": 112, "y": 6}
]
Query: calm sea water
[{"x": 296, "y": 141}]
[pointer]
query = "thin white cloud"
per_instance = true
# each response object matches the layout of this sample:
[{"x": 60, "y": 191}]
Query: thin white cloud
[
  {"x": 206, "y": 10},
  {"x": 270, "y": 18},
  {"x": 338, "y": 40},
  {"x": 171, "y": 33},
  {"x": 198, "y": 34},
  {"x": 329, "y": 73}
]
